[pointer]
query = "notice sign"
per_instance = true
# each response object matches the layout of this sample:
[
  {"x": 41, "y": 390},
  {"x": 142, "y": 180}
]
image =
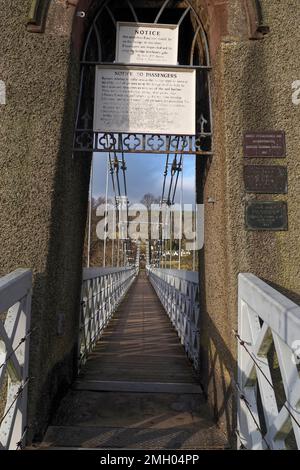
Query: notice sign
[
  {"x": 145, "y": 100},
  {"x": 143, "y": 43}
]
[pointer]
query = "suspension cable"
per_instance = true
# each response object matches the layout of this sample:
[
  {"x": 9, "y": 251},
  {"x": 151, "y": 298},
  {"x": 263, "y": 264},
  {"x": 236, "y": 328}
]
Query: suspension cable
[
  {"x": 20, "y": 444},
  {"x": 173, "y": 171},
  {"x": 124, "y": 169},
  {"x": 174, "y": 167},
  {"x": 90, "y": 213},
  {"x": 248, "y": 405},
  {"x": 195, "y": 226},
  {"x": 106, "y": 209},
  {"x": 171, "y": 236},
  {"x": 116, "y": 171},
  {"x": 113, "y": 178},
  {"x": 165, "y": 178},
  {"x": 19, "y": 392},
  {"x": 178, "y": 171},
  {"x": 22, "y": 340}
]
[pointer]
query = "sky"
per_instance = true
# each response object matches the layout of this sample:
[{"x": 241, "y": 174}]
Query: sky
[{"x": 144, "y": 175}]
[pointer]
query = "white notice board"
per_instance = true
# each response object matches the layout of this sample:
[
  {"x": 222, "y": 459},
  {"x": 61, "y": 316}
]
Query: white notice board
[
  {"x": 145, "y": 100},
  {"x": 147, "y": 43}
]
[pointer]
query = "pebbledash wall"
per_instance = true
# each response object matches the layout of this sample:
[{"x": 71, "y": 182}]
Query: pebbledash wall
[
  {"x": 43, "y": 191},
  {"x": 252, "y": 91}
]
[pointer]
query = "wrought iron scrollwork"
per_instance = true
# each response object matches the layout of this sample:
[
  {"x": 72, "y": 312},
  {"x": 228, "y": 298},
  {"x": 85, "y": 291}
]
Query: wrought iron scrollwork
[
  {"x": 84, "y": 141},
  {"x": 130, "y": 142},
  {"x": 156, "y": 142},
  {"x": 88, "y": 141},
  {"x": 107, "y": 141}
]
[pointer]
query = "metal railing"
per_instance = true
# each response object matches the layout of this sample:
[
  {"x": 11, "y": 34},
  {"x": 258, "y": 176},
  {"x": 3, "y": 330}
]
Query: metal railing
[
  {"x": 15, "y": 312},
  {"x": 102, "y": 291},
  {"x": 178, "y": 292},
  {"x": 268, "y": 367}
]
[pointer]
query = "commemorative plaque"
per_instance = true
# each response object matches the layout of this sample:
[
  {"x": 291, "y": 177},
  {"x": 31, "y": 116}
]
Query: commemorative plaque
[
  {"x": 266, "y": 215},
  {"x": 147, "y": 43},
  {"x": 145, "y": 100},
  {"x": 266, "y": 179},
  {"x": 265, "y": 144}
]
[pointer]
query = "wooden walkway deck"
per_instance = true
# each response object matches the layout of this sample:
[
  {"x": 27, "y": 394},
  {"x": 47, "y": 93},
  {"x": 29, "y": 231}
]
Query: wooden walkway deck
[{"x": 138, "y": 389}]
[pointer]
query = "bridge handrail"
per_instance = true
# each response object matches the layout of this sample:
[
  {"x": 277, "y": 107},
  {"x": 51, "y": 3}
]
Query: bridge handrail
[
  {"x": 102, "y": 291},
  {"x": 267, "y": 319},
  {"x": 178, "y": 292},
  {"x": 92, "y": 273},
  {"x": 189, "y": 276},
  {"x": 15, "y": 317}
]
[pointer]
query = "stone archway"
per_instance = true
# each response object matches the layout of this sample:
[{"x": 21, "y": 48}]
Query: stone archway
[{"x": 220, "y": 17}]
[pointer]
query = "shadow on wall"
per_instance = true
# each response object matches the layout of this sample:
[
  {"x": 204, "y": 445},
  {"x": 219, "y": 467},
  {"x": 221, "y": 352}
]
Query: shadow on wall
[
  {"x": 293, "y": 296},
  {"x": 219, "y": 367},
  {"x": 56, "y": 292}
]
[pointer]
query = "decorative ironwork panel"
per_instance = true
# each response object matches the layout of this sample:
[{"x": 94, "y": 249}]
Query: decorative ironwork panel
[
  {"x": 88, "y": 141},
  {"x": 100, "y": 48}
]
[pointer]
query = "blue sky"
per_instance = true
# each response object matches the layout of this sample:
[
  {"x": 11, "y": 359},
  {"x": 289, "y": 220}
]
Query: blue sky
[{"x": 144, "y": 175}]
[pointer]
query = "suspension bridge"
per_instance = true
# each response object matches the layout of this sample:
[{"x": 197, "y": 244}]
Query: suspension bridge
[
  {"x": 132, "y": 351},
  {"x": 138, "y": 365}
]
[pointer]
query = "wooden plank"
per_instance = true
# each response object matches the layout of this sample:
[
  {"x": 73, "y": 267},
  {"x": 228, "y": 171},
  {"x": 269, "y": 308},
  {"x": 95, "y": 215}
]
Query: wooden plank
[
  {"x": 138, "y": 387},
  {"x": 140, "y": 344},
  {"x": 138, "y": 390}
]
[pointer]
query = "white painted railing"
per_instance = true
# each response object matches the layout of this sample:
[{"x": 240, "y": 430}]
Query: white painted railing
[
  {"x": 178, "y": 292},
  {"x": 268, "y": 322},
  {"x": 102, "y": 291},
  {"x": 15, "y": 311}
]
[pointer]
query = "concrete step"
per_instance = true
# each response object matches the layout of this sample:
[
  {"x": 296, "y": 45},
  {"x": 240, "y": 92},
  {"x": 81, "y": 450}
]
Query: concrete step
[{"x": 96, "y": 437}]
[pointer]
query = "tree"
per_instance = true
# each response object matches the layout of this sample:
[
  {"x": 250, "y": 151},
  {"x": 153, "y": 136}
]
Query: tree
[{"x": 149, "y": 199}]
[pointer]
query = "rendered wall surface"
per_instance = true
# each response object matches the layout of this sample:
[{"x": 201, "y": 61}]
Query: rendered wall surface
[
  {"x": 252, "y": 90},
  {"x": 43, "y": 192}
]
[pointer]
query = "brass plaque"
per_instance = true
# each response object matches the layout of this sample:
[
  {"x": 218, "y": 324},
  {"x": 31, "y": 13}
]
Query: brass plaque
[
  {"x": 265, "y": 144},
  {"x": 266, "y": 179},
  {"x": 266, "y": 215}
]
